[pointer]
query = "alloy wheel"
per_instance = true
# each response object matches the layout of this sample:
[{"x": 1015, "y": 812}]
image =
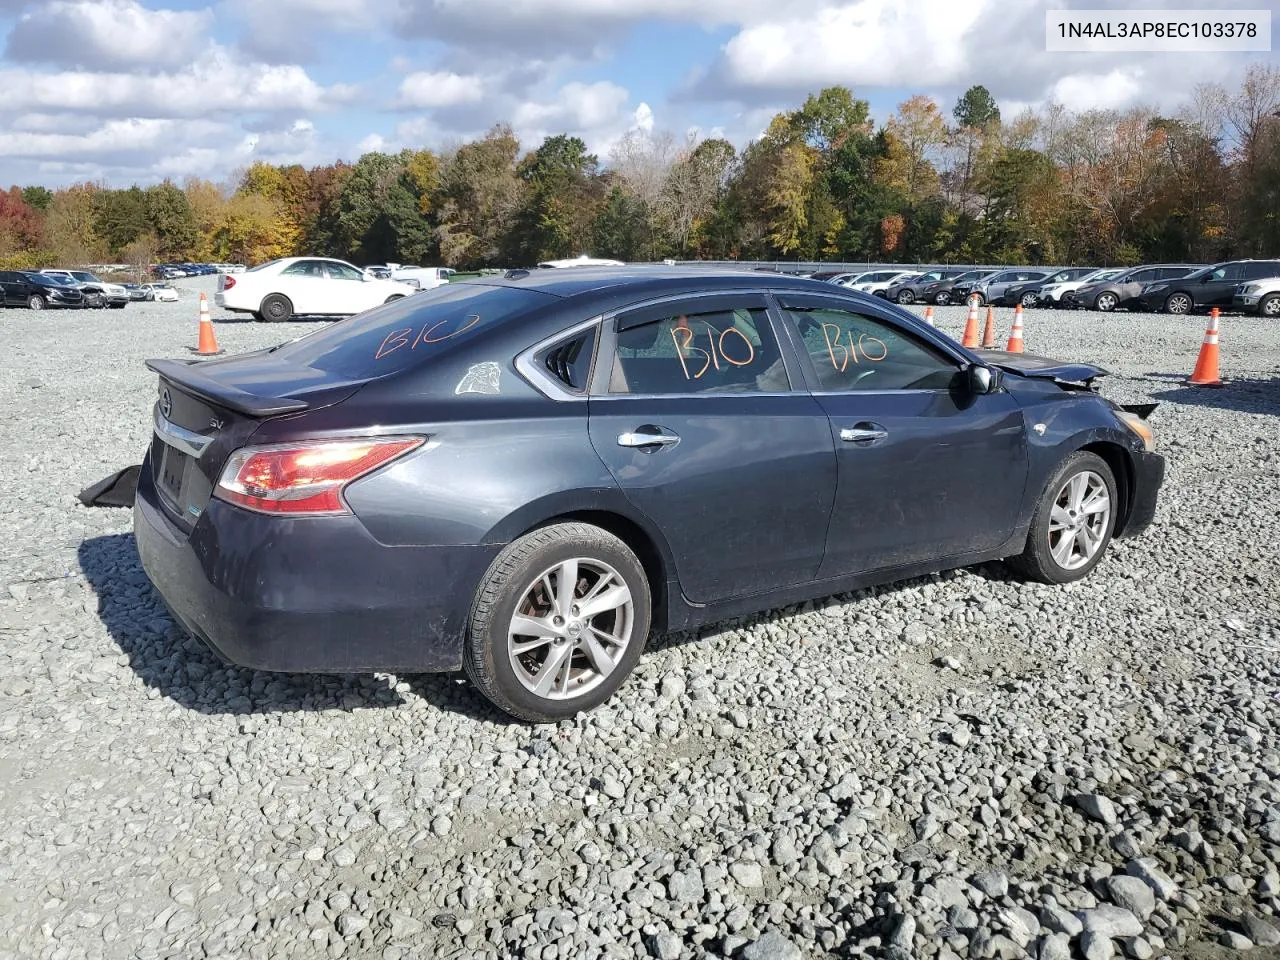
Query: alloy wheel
[
  {"x": 571, "y": 628},
  {"x": 1179, "y": 303},
  {"x": 1078, "y": 522}
]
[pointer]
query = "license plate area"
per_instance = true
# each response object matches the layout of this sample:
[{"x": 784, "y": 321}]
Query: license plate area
[{"x": 172, "y": 474}]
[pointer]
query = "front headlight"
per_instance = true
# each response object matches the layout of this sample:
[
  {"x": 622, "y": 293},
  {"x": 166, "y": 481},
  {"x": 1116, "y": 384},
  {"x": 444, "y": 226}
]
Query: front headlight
[
  {"x": 1140, "y": 427},
  {"x": 1250, "y": 288}
]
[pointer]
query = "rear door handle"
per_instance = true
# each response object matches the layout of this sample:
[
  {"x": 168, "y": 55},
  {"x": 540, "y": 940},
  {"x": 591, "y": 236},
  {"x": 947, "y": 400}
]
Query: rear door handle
[
  {"x": 863, "y": 433},
  {"x": 648, "y": 436}
]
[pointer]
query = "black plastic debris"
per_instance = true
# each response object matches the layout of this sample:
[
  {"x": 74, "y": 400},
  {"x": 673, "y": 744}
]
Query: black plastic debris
[{"x": 117, "y": 490}]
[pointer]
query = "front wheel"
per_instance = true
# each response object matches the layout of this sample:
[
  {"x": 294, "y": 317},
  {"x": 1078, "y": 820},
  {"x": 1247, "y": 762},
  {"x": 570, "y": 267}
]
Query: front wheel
[
  {"x": 36, "y": 302},
  {"x": 905, "y": 297},
  {"x": 977, "y": 299},
  {"x": 558, "y": 622},
  {"x": 1106, "y": 302},
  {"x": 276, "y": 307},
  {"x": 1029, "y": 299},
  {"x": 394, "y": 297},
  {"x": 942, "y": 298},
  {"x": 1269, "y": 306},
  {"x": 1073, "y": 522},
  {"x": 1178, "y": 303}
]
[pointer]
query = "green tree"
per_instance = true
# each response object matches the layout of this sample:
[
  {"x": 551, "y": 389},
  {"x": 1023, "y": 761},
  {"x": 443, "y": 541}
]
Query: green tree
[
  {"x": 557, "y": 217},
  {"x": 620, "y": 230},
  {"x": 38, "y": 198},
  {"x": 479, "y": 194},
  {"x": 976, "y": 108},
  {"x": 171, "y": 221},
  {"x": 120, "y": 217}
]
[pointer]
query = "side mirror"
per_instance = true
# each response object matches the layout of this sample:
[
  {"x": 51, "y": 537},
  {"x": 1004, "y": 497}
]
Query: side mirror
[{"x": 983, "y": 379}]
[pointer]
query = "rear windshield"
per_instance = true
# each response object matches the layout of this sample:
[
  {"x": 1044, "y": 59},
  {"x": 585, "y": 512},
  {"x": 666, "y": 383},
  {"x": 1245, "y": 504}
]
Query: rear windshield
[{"x": 399, "y": 335}]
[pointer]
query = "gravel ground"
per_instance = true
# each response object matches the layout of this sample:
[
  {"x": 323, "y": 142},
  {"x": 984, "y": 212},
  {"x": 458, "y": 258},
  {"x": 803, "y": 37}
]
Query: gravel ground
[{"x": 961, "y": 765}]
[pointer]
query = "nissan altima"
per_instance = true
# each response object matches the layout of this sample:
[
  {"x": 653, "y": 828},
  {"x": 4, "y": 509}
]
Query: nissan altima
[{"x": 522, "y": 476}]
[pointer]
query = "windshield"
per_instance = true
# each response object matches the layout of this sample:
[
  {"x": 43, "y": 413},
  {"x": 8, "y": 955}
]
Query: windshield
[
  {"x": 401, "y": 334},
  {"x": 263, "y": 266},
  {"x": 82, "y": 275}
]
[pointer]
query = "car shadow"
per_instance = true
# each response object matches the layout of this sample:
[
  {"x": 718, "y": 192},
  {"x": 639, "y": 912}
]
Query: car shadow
[
  {"x": 1249, "y": 395},
  {"x": 182, "y": 668}
]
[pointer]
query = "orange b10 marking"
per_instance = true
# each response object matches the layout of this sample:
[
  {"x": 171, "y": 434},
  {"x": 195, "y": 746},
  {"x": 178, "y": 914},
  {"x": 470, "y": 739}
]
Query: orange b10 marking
[
  {"x": 850, "y": 350},
  {"x": 716, "y": 341}
]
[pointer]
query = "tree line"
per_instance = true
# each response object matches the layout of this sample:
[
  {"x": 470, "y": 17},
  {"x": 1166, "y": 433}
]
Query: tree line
[{"x": 824, "y": 182}]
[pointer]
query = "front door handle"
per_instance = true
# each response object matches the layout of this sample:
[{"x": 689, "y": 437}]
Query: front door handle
[
  {"x": 648, "y": 436},
  {"x": 863, "y": 433}
]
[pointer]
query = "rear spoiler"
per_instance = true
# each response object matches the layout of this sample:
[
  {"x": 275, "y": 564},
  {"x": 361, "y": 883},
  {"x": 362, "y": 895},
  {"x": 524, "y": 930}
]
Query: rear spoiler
[{"x": 186, "y": 374}]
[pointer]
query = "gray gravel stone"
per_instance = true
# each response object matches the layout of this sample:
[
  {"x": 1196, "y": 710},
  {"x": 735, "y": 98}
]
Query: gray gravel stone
[
  {"x": 1235, "y": 941},
  {"x": 991, "y": 882},
  {"x": 1098, "y": 808},
  {"x": 666, "y": 946},
  {"x": 771, "y": 945},
  {"x": 1261, "y": 932},
  {"x": 1132, "y": 894},
  {"x": 1148, "y": 871},
  {"x": 1096, "y": 945},
  {"x": 1111, "y": 921}
]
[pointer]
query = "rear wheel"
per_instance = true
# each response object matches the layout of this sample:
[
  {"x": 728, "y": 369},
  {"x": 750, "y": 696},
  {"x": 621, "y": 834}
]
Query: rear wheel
[
  {"x": 36, "y": 302},
  {"x": 558, "y": 623},
  {"x": 1106, "y": 302},
  {"x": 276, "y": 308},
  {"x": 1178, "y": 303},
  {"x": 1073, "y": 522},
  {"x": 1269, "y": 306}
]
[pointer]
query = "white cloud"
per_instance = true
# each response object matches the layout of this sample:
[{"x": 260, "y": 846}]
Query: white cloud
[
  {"x": 107, "y": 34},
  {"x": 289, "y": 31},
  {"x": 1115, "y": 89},
  {"x": 577, "y": 107},
  {"x": 423, "y": 91},
  {"x": 218, "y": 83},
  {"x": 643, "y": 118}
]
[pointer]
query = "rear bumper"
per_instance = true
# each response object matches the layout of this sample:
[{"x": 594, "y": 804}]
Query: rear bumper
[
  {"x": 1148, "y": 477},
  {"x": 308, "y": 595}
]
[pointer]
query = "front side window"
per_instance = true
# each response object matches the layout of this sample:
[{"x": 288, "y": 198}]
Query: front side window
[
  {"x": 1231, "y": 271},
  {"x": 724, "y": 351},
  {"x": 852, "y": 351}
]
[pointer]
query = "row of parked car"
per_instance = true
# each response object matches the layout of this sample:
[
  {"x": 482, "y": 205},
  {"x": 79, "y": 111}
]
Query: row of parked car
[
  {"x": 74, "y": 289},
  {"x": 174, "y": 271},
  {"x": 1250, "y": 286}
]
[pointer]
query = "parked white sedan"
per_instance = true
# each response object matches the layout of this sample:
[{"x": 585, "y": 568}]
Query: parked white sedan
[{"x": 305, "y": 286}]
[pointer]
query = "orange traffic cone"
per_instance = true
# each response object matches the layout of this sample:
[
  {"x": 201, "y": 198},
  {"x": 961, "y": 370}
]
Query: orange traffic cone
[
  {"x": 1206, "y": 372},
  {"x": 208, "y": 344},
  {"x": 971, "y": 326},
  {"x": 928, "y": 316},
  {"x": 989, "y": 334},
  {"x": 1015, "y": 335}
]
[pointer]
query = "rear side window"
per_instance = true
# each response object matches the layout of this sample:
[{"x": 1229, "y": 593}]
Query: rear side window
[
  {"x": 1262, "y": 269},
  {"x": 409, "y": 331},
  {"x": 570, "y": 361}
]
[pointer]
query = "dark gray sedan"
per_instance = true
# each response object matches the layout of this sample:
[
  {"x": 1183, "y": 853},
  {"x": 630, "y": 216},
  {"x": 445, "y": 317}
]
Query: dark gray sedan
[{"x": 523, "y": 476}]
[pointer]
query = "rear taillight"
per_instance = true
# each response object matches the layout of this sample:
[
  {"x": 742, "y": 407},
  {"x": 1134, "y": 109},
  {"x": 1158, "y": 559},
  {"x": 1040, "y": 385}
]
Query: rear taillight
[
  {"x": 304, "y": 478},
  {"x": 228, "y": 282}
]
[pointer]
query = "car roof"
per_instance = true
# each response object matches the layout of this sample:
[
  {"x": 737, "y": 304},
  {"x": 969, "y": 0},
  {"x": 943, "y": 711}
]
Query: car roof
[{"x": 645, "y": 280}]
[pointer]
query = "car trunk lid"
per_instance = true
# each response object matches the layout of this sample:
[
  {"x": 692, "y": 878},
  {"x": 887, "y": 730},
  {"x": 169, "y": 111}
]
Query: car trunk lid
[{"x": 206, "y": 410}]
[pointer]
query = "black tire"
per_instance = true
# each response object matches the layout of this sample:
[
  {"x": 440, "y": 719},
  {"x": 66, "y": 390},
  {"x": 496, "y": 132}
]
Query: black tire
[
  {"x": 942, "y": 298},
  {"x": 36, "y": 302},
  {"x": 1269, "y": 306},
  {"x": 1029, "y": 299},
  {"x": 276, "y": 308},
  {"x": 1037, "y": 562},
  {"x": 394, "y": 297},
  {"x": 485, "y": 657},
  {"x": 1106, "y": 301},
  {"x": 1178, "y": 303},
  {"x": 905, "y": 297}
]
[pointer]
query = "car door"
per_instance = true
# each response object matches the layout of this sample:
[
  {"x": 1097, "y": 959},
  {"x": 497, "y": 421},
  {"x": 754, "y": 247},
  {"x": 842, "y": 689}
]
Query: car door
[
  {"x": 305, "y": 284},
  {"x": 694, "y": 415},
  {"x": 1217, "y": 289},
  {"x": 926, "y": 469},
  {"x": 349, "y": 291}
]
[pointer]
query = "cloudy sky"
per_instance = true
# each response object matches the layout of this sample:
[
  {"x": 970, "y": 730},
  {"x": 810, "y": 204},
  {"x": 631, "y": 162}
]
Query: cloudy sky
[{"x": 139, "y": 90}]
